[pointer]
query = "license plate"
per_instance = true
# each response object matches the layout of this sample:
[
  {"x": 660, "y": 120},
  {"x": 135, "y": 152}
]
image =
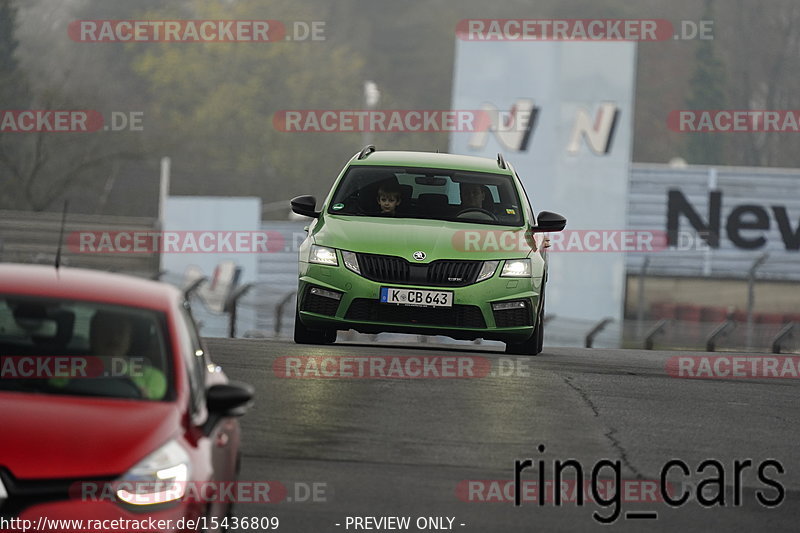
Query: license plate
[{"x": 417, "y": 297}]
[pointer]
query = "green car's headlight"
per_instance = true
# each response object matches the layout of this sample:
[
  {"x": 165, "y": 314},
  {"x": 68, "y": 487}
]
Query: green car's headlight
[
  {"x": 351, "y": 261},
  {"x": 516, "y": 268},
  {"x": 487, "y": 270},
  {"x": 323, "y": 256}
]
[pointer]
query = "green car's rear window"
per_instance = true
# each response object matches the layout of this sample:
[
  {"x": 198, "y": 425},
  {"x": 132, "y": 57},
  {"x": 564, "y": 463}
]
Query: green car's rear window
[{"x": 453, "y": 195}]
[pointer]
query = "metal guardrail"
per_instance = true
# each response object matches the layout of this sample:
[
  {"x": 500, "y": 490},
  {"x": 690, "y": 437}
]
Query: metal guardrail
[
  {"x": 268, "y": 317},
  {"x": 33, "y": 237},
  {"x": 729, "y": 335}
]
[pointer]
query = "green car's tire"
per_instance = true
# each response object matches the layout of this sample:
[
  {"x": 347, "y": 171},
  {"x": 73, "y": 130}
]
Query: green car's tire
[
  {"x": 303, "y": 335},
  {"x": 534, "y": 345}
]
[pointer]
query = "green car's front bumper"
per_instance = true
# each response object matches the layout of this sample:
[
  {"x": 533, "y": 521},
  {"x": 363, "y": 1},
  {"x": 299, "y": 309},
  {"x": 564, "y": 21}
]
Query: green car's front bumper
[{"x": 356, "y": 305}]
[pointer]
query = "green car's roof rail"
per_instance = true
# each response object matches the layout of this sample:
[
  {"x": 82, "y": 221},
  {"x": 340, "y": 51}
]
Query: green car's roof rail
[
  {"x": 501, "y": 162},
  {"x": 368, "y": 149}
]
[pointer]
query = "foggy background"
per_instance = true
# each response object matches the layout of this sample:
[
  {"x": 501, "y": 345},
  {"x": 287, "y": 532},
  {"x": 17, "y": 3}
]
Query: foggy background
[{"x": 209, "y": 106}]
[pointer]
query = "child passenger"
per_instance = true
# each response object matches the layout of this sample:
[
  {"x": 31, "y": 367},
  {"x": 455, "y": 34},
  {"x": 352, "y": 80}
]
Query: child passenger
[{"x": 389, "y": 197}]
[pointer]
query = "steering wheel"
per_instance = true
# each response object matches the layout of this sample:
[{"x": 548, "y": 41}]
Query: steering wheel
[{"x": 489, "y": 214}]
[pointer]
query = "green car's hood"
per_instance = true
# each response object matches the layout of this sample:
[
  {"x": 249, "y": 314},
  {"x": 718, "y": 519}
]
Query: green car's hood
[{"x": 438, "y": 239}]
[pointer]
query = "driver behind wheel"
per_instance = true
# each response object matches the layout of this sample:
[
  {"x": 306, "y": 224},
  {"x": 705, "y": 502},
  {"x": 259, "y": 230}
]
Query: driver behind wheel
[
  {"x": 110, "y": 339},
  {"x": 476, "y": 202},
  {"x": 472, "y": 196}
]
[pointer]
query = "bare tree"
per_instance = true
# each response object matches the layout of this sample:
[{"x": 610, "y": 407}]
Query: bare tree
[{"x": 764, "y": 37}]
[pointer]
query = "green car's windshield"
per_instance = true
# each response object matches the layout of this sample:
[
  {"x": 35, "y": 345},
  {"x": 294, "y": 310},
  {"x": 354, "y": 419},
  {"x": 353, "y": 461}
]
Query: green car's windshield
[
  {"x": 452, "y": 195},
  {"x": 83, "y": 348}
]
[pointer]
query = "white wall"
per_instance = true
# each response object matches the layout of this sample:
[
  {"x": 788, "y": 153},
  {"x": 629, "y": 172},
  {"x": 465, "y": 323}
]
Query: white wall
[
  {"x": 198, "y": 213},
  {"x": 567, "y": 82}
]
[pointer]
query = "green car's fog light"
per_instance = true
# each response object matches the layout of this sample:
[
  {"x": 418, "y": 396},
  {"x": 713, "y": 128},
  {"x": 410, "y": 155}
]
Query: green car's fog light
[
  {"x": 323, "y": 256},
  {"x": 487, "y": 270},
  {"x": 504, "y": 306},
  {"x": 326, "y": 294},
  {"x": 516, "y": 268},
  {"x": 351, "y": 261}
]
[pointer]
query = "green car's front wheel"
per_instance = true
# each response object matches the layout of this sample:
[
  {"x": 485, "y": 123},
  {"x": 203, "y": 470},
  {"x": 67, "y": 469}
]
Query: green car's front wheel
[
  {"x": 534, "y": 345},
  {"x": 304, "y": 335}
]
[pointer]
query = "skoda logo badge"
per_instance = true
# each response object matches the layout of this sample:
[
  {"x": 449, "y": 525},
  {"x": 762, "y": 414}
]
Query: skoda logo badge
[{"x": 419, "y": 255}]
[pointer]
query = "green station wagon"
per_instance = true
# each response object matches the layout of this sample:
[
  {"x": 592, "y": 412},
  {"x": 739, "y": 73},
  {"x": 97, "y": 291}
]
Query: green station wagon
[{"x": 424, "y": 243}]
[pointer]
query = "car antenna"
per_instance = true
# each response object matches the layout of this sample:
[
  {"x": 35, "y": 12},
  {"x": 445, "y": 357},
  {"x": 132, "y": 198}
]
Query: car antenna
[{"x": 61, "y": 234}]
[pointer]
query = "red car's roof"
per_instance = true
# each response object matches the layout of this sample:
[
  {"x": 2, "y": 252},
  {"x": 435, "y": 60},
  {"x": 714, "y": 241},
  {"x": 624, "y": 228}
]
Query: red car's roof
[{"x": 82, "y": 284}]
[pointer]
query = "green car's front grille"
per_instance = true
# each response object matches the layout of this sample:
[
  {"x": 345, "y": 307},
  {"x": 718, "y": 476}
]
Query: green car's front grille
[
  {"x": 384, "y": 268},
  {"x": 457, "y": 316},
  {"x": 443, "y": 273},
  {"x": 453, "y": 273}
]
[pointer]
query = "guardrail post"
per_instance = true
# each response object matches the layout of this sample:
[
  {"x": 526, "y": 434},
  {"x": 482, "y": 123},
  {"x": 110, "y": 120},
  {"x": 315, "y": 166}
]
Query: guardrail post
[
  {"x": 192, "y": 287},
  {"x": 640, "y": 296},
  {"x": 785, "y": 332},
  {"x": 279, "y": 312},
  {"x": 230, "y": 306},
  {"x": 722, "y": 329},
  {"x": 751, "y": 280},
  {"x": 659, "y": 327},
  {"x": 595, "y": 330}
]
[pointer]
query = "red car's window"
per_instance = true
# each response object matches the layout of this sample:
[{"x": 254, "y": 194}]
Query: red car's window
[{"x": 83, "y": 348}]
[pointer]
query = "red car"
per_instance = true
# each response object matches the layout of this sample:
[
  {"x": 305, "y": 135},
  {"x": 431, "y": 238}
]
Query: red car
[{"x": 110, "y": 407}]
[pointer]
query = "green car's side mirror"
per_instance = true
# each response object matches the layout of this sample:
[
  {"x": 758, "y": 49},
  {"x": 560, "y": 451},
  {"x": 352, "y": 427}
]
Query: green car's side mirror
[
  {"x": 547, "y": 221},
  {"x": 304, "y": 205}
]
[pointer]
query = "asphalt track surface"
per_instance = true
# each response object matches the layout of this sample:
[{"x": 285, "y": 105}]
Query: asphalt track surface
[{"x": 387, "y": 447}]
